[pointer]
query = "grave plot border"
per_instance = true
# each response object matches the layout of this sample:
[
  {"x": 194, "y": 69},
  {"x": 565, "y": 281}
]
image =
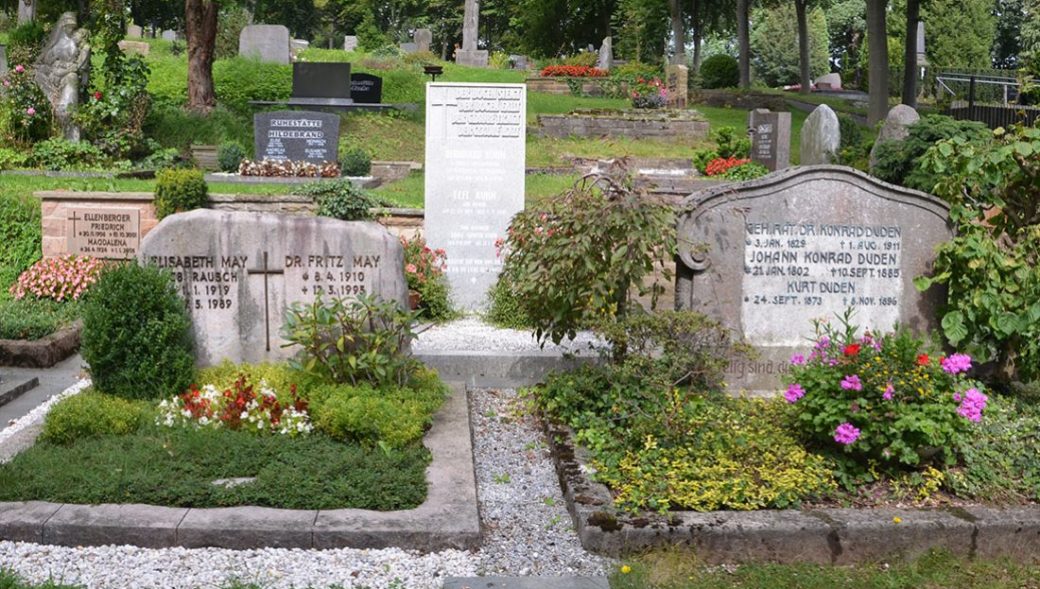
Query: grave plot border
[
  {"x": 44, "y": 352},
  {"x": 814, "y": 536},
  {"x": 448, "y": 519}
]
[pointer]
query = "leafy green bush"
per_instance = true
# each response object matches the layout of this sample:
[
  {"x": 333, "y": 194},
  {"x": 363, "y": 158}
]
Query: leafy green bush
[
  {"x": 178, "y": 190},
  {"x": 424, "y": 270},
  {"x": 11, "y": 158},
  {"x": 582, "y": 59},
  {"x": 62, "y": 154},
  {"x": 731, "y": 142},
  {"x": 340, "y": 199},
  {"x": 899, "y": 162},
  {"x": 504, "y": 306},
  {"x": 148, "y": 357},
  {"x": 280, "y": 377},
  {"x": 851, "y": 132},
  {"x": 90, "y": 415},
  {"x": 25, "y": 42},
  {"x": 745, "y": 172},
  {"x": 239, "y": 81},
  {"x": 177, "y": 128},
  {"x": 229, "y": 28},
  {"x": 31, "y": 318},
  {"x": 352, "y": 340},
  {"x": 720, "y": 71},
  {"x": 355, "y": 161},
  {"x": 20, "y": 236},
  {"x": 229, "y": 155}
]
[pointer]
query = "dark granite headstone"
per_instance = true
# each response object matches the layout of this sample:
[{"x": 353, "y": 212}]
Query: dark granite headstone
[
  {"x": 321, "y": 83},
  {"x": 366, "y": 89},
  {"x": 767, "y": 257},
  {"x": 770, "y": 138},
  {"x": 296, "y": 136}
]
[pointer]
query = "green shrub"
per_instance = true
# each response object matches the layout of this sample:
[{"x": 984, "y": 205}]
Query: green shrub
[
  {"x": 61, "y": 154},
  {"x": 229, "y": 155},
  {"x": 505, "y": 308},
  {"x": 582, "y": 59},
  {"x": 25, "y": 42},
  {"x": 745, "y": 172},
  {"x": 239, "y": 81},
  {"x": 731, "y": 142},
  {"x": 31, "y": 318},
  {"x": 899, "y": 162},
  {"x": 279, "y": 377},
  {"x": 340, "y": 199},
  {"x": 137, "y": 335},
  {"x": 851, "y": 132},
  {"x": 177, "y": 191},
  {"x": 424, "y": 271},
  {"x": 232, "y": 20},
  {"x": 10, "y": 159},
  {"x": 20, "y": 236},
  {"x": 355, "y": 161},
  {"x": 90, "y": 415},
  {"x": 175, "y": 127},
  {"x": 720, "y": 71}
]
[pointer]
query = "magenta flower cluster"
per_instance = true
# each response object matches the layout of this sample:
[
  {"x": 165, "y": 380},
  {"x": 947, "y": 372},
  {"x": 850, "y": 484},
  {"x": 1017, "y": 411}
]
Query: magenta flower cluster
[
  {"x": 851, "y": 383},
  {"x": 956, "y": 363},
  {"x": 794, "y": 392},
  {"x": 65, "y": 278},
  {"x": 846, "y": 434},
  {"x": 972, "y": 404}
]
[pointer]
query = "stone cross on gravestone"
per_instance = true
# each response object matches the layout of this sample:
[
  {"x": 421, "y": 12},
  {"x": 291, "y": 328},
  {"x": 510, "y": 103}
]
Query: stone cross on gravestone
[
  {"x": 266, "y": 272},
  {"x": 469, "y": 54}
]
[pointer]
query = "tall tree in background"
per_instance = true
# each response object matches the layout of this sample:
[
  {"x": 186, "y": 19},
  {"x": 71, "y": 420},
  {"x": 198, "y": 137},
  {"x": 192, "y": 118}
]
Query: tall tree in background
[
  {"x": 913, "y": 14},
  {"x": 960, "y": 33},
  {"x": 877, "y": 71},
  {"x": 847, "y": 26},
  {"x": 804, "y": 74},
  {"x": 200, "y": 26},
  {"x": 744, "y": 42},
  {"x": 678, "y": 30},
  {"x": 1007, "y": 46}
]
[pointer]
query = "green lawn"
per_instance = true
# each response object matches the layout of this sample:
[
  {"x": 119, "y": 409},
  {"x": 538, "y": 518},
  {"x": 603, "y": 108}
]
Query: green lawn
[{"x": 409, "y": 192}]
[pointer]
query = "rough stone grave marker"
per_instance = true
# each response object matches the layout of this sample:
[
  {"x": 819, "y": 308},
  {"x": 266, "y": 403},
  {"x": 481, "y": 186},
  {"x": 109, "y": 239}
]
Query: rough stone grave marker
[
  {"x": 475, "y": 157},
  {"x": 134, "y": 31},
  {"x": 605, "y": 60},
  {"x": 423, "y": 38},
  {"x": 770, "y": 138},
  {"x": 3, "y": 60},
  {"x": 239, "y": 272},
  {"x": 767, "y": 257},
  {"x": 109, "y": 233},
  {"x": 268, "y": 43},
  {"x": 821, "y": 137},
  {"x": 895, "y": 128},
  {"x": 366, "y": 89},
  {"x": 350, "y": 43},
  {"x": 677, "y": 78},
  {"x": 299, "y": 136},
  {"x": 169, "y": 35}
]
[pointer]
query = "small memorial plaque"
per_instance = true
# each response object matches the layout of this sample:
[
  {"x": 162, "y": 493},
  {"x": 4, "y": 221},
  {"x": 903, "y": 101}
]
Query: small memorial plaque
[
  {"x": 770, "y": 256},
  {"x": 109, "y": 233},
  {"x": 296, "y": 136},
  {"x": 770, "y": 138},
  {"x": 366, "y": 89}
]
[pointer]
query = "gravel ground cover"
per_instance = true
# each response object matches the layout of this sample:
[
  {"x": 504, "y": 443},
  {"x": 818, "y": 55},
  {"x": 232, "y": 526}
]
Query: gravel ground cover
[
  {"x": 471, "y": 334},
  {"x": 527, "y": 532}
]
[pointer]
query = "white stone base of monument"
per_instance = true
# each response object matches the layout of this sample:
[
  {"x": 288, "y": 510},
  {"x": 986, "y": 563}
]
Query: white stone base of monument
[{"x": 474, "y": 58}]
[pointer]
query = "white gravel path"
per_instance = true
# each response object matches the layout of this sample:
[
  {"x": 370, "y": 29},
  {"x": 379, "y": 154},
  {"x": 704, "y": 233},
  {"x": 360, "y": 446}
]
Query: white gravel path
[{"x": 470, "y": 334}]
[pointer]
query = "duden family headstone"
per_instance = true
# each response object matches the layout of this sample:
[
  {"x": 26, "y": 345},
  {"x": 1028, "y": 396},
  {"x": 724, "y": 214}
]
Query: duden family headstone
[
  {"x": 769, "y": 256},
  {"x": 475, "y": 158},
  {"x": 770, "y": 138},
  {"x": 268, "y": 43},
  {"x": 239, "y": 272},
  {"x": 296, "y": 136},
  {"x": 108, "y": 233},
  {"x": 366, "y": 89}
]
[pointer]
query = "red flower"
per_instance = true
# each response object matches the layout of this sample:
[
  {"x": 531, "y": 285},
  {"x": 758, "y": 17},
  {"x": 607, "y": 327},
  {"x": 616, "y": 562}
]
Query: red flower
[
  {"x": 851, "y": 350},
  {"x": 922, "y": 360},
  {"x": 97, "y": 96}
]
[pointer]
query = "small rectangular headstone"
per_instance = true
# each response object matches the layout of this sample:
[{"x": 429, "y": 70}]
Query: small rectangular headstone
[
  {"x": 268, "y": 43},
  {"x": 134, "y": 31},
  {"x": 366, "y": 89},
  {"x": 169, "y": 35},
  {"x": 350, "y": 43},
  {"x": 298, "y": 45},
  {"x": 321, "y": 83},
  {"x": 423, "y": 38},
  {"x": 770, "y": 138},
  {"x": 3, "y": 61},
  {"x": 677, "y": 81},
  {"x": 239, "y": 272},
  {"x": 473, "y": 58},
  {"x": 135, "y": 47},
  {"x": 409, "y": 47},
  {"x": 767, "y": 257},
  {"x": 475, "y": 154},
  {"x": 108, "y": 233},
  {"x": 296, "y": 136}
]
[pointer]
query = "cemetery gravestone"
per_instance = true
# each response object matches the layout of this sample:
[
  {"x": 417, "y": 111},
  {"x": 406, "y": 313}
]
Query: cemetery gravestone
[
  {"x": 134, "y": 31},
  {"x": 366, "y": 89},
  {"x": 298, "y": 45},
  {"x": 296, "y": 136},
  {"x": 829, "y": 82},
  {"x": 250, "y": 267},
  {"x": 677, "y": 78},
  {"x": 109, "y": 233},
  {"x": 475, "y": 157},
  {"x": 767, "y": 257},
  {"x": 895, "y": 128},
  {"x": 135, "y": 47},
  {"x": 770, "y": 138},
  {"x": 606, "y": 54},
  {"x": 409, "y": 47},
  {"x": 423, "y": 38},
  {"x": 169, "y": 35},
  {"x": 268, "y": 43},
  {"x": 3, "y": 61},
  {"x": 469, "y": 54},
  {"x": 322, "y": 84},
  {"x": 350, "y": 43},
  {"x": 821, "y": 137}
]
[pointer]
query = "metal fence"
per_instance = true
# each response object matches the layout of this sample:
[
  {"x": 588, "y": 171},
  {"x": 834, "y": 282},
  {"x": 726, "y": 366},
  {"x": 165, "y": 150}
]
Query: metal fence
[{"x": 987, "y": 96}]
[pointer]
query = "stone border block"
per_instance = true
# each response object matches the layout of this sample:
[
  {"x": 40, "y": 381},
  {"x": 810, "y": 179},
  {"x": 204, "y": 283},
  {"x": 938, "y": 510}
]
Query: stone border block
[
  {"x": 1012, "y": 532},
  {"x": 243, "y": 528},
  {"x": 99, "y": 525},
  {"x": 10, "y": 394},
  {"x": 498, "y": 369},
  {"x": 44, "y": 352},
  {"x": 24, "y": 521},
  {"x": 872, "y": 535}
]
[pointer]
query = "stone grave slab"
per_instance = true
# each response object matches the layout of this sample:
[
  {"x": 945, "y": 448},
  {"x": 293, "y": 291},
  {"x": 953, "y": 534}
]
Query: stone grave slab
[
  {"x": 296, "y": 136},
  {"x": 3, "y": 61},
  {"x": 472, "y": 58},
  {"x": 475, "y": 158},
  {"x": 239, "y": 272},
  {"x": 821, "y": 137},
  {"x": 134, "y": 31},
  {"x": 268, "y": 43},
  {"x": 409, "y": 47},
  {"x": 423, "y": 38},
  {"x": 104, "y": 232},
  {"x": 677, "y": 78},
  {"x": 321, "y": 83},
  {"x": 895, "y": 128},
  {"x": 350, "y": 43},
  {"x": 605, "y": 61},
  {"x": 767, "y": 257},
  {"x": 770, "y": 138},
  {"x": 366, "y": 89},
  {"x": 135, "y": 47}
]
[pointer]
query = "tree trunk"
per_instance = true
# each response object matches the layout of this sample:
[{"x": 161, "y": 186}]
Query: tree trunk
[
  {"x": 200, "y": 24},
  {"x": 744, "y": 41},
  {"x": 678, "y": 31},
  {"x": 805, "y": 74},
  {"x": 696, "y": 14},
  {"x": 877, "y": 75},
  {"x": 913, "y": 14}
]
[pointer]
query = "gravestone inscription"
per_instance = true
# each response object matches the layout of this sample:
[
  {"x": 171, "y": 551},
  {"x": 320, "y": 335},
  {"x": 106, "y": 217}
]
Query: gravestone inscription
[
  {"x": 366, "y": 89},
  {"x": 239, "y": 280},
  {"x": 770, "y": 138},
  {"x": 769, "y": 256},
  {"x": 678, "y": 79},
  {"x": 475, "y": 154},
  {"x": 296, "y": 136},
  {"x": 109, "y": 233}
]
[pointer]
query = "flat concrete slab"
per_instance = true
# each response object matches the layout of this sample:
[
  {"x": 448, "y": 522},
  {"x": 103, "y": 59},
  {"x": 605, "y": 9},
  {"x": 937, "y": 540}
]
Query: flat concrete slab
[
  {"x": 24, "y": 521},
  {"x": 11, "y": 389},
  {"x": 100, "y": 525},
  {"x": 526, "y": 583},
  {"x": 499, "y": 369},
  {"x": 244, "y": 528},
  {"x": 51, "y": 380}
]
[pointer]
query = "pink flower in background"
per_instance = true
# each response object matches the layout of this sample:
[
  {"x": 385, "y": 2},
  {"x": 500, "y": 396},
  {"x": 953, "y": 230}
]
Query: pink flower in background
[
  {"x": 18, "y": 69},
  {"x": 972, "y": 405},
  {"x": 798, "y": 360},
  {"x": 851, "y": 383},
  {"x": 889, "y": 390},
  {"x": 30, "y": 111},
  {"x": 846, "y": 434},
  {"x": 956, "y": 363},
  {"x": 411, "y": 269},
  {"x": 794, "y": 392}
]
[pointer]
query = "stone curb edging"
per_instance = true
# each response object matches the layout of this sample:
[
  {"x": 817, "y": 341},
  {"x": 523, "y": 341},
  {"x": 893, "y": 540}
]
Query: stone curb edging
[
  {"x": 44, "y": 352},
  {"x": 10, "y": 394},
  {"x": 498, "y": 369},
  {"x": 816, "y": 536},
  {"x": 448, "y": 519}
]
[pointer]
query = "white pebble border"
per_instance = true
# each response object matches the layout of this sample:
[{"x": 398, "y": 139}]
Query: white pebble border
[
  {"x": 38, "y": 412},
  {"x": 527, "y": 532},
  {"x": 472, "y": 334}
]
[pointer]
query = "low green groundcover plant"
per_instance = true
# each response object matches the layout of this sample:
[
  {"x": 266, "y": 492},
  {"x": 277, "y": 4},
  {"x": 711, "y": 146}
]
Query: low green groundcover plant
[{"x": 31, "y": 319}]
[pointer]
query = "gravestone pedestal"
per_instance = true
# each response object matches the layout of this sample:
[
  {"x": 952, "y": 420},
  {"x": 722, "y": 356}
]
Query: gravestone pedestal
[{"x": 475, "y": 58}]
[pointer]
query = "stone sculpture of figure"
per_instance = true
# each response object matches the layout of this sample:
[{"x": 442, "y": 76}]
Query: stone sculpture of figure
[{"x": 63, "y": 69}]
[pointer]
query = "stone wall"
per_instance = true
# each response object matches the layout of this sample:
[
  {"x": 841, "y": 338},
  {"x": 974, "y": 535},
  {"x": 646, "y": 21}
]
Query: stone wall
[
  {"x": 557, "y": 85},
  {"x": 633, "y": 125}
]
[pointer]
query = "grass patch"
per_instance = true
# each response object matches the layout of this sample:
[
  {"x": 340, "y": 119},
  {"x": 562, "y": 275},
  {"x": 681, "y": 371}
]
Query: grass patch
[
  {"x": 31, "y": 319},
  {"x": 410, "y": 191},
  {"x": 20, "y": 234},
  {"x": 388, "y": 137},
  {"x": 176, "y": 467},
  {"x": 9, "y": 580}
]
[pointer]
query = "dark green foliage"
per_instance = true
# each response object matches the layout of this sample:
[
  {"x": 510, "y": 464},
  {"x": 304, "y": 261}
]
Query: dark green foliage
[
  {"x": 851, "y": 132},
  {"x": 176, "y": 467},
  {"x": 899, "y": 162},
  {"x": 774, "y": 44},
  {"x": 745, "y": 172},
  {"x": 91, "y": 415},
  {"x": 32, "y": 318},
  {"x": 229, "y": 28},
  {"x": 24, "y": 43},
  {"x": 240, "y": 80},
  {"x": 229, "y": 155},
  {"x": 720, "y": 71},
  {"x": 20, "y": 237},
  {"x": 355, "y": 161},
  {"x": 177, "y": 191},
  {"x": 504, "y": 308},
  {"x": 61, "y": 154},
  {"x": 340, "y": 199},
  {"x": 175, "y": 127},
  {"x": 137, "y": 334}
]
